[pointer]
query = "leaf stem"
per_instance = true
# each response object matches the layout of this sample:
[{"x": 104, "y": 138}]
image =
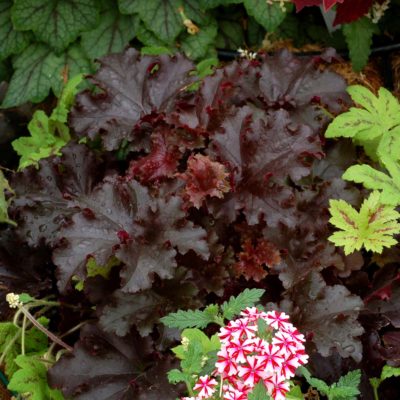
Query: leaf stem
[{"x": 24, "y": 320}]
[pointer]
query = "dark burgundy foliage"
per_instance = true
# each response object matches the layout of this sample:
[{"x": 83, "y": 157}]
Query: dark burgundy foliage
[{"x": 220, "y": 189}]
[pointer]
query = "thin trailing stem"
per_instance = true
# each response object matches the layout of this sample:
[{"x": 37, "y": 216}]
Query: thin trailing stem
[{"x": 24, "y": 320}]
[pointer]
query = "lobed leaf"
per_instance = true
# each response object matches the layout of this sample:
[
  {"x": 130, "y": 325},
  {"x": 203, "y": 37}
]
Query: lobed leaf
[
  {"x": 188, "y": 319},
  {"x": 247, "y": 298}
]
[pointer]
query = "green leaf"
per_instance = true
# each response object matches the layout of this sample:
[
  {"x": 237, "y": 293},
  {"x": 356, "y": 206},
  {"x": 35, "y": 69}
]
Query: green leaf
[
  {"x": 373, "y": 227},
  {"x": 206, "y": 67},
  {"x": 248, "y": 298},
  {"x": 206, "y": 4},
  {"x": 156, "y": 50},
  {"x": 192, "y": 363},
  {"x": 321, "y": 386},
  {"x": 72, "y": 63},
  {"x": 32, "y": 378},
  {"x": 56, "y": 22},
  {"x": 295, "y": 393},
  {"x": 196, "y": 46},
  {"x": 188, "y": 319},
  {"x": 148, "y": 38},
  {"x": 389, "y": 372},
  {"x": 347, "y": 386},
  {"x": 230, "y": 34},
  {"x": 377, "y": 180},
  {"x": 11, "y": 40},
  {"x": 259, "y": 392},
  {"x": 162, "y": 18},
  {"x": 25, "y": 298},
  {"x": 270, "y": 16},
  {"x": 358, "y": 36},
  {"x": 175, "y": 376},
  {"x": 4, "y": 202},
  {"x": 111, "y": 35},
  {"x": 127, "y": 6},
  {"x": 36, "y": 70}
]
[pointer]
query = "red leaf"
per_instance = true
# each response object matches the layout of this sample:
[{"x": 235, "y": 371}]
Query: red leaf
[
  {"x": 204, "y": 178},
  {"x": 300, "y": 4},
  {"x": 351, "y": 10},
  {"x": 253, "y": 258}
]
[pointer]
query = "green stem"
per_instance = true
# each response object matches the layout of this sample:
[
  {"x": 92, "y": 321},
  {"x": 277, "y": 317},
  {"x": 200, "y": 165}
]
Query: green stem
[
  {"x": 376, "y": 395},
  {"x": 9, "y": 345},
  {"x": 23, "y": 335}
]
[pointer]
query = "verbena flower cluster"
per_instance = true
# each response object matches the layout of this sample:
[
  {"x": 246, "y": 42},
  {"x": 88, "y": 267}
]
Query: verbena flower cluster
[{"x": 248, "y": 356}]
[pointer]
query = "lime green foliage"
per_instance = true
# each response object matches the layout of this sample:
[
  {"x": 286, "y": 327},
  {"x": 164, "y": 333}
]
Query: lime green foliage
[
  {"x": 211, "y": 314},
  {"x": 373, "y": 227},
  {"x": 32, "y": 378},
  {"x": 4, "y": 202},
  {"x": 345, "y": 389},
  {"x": 48, "y": 134},
  {"x": 94, "y": 269},
  {"x": 376, "y": 124},
  {"x": 259, "y": 393},
  {"x": 387, "y": 372},
  {"x": 358, "y": 36},
  {"x": 10, "y": 344},
  {"x": 295, "y": 393}
]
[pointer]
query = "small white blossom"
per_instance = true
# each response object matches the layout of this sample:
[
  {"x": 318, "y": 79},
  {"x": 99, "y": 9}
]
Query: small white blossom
[
  {"x": 185, "y": 343},
  {"x": 244, "y": 53},
  {"x": 13, "y": 300},
  {"x": 377, "y": 11}
]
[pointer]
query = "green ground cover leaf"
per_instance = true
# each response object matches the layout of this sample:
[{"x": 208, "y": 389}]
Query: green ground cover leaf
[
  {"x": 197, "y": 46},
  {"x": 358, "y": 36},
  {"x": 11, "y": 40},
  {"x": 111, "y": 35},
  {"x": 127, "y": 6},
  {"x": 55, "y": 22},
  {"x": 373, "y": 227},
  {"x": 32, "y": 378},
  {"x": 230, "y": 34}
]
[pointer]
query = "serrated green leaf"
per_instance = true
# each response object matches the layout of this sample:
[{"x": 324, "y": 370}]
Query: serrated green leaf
[
  {"x": 270, "y": 16},
  {"x": 350, "y": 382},
  {"x": 55, "y": 22},
  {"x": 4, "y": 201},
  {"x": 32, "y": 378},
  {"x": 192, "y": 363},
  {"x": 259, "y": 392},
  {"x": 149, "y": 38},
  {"x": 295, "y": 393},
  {"x": 343, "y": 393},
  {"x": 389, "y": 372},
  {"x": 321, "y": 386},
  {"x": 196, "y": 46},
  {"x": 187, "y": 319},
  {"x": 11, "y": 40},
  {"x": 248, "y": 298},
  {"x": 127, "y": 7},
  {"x": 162, "y": 18},
  {"x": 373, "y": 227},
  {"x": 36, "y": 70},
  {"x": 111, "y": 35},
  {"x": 175, "y": 376},
  {"x": 358, "y": 36}
]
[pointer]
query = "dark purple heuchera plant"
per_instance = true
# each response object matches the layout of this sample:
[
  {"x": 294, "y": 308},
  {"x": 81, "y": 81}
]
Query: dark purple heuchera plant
[{"x": 189, "y": 196}]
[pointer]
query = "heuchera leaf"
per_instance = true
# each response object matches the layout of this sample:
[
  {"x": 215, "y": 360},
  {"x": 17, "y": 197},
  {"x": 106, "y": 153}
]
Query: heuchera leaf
[
  {"x": 373, "y": 227},
  {"x": 55, "y": 22},
  {"x": 328, "y": 314},
  {"x": 133, "y": 86}
]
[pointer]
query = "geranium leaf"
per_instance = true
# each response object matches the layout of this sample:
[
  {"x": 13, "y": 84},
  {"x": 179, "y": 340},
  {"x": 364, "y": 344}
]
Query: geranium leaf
[
  {"x": 373, "y": 227},
  {"x": 55, "y": 22},
  {"x": 11, "y": 40},
  {"x": 111, "y": 35}
]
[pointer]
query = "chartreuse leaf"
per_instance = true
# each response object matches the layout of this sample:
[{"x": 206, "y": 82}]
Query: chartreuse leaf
[
  {"x": 248, "y": 298},
  {"x": 387, "y": 372},
  {"x": 270, "y": 16},
  {"x": 295, "y": 393},
  {"x": 358, "y": 36},
  {"x": 373, "y": 227},
  {"x": 111, "y": 35},
  {"x": 47, "y": 134},
  {"x": 375, "y": 126},
  {"x": 32, "y": 378},
  {"x": 55, "y": 22},
  {"x": 11, "y": 40},
  {"x": 377, "y": 180},
  {"x": 4, "y": 202},
  {"x": 259, "y": 392},
  {"x": 196, "y": 335}
]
